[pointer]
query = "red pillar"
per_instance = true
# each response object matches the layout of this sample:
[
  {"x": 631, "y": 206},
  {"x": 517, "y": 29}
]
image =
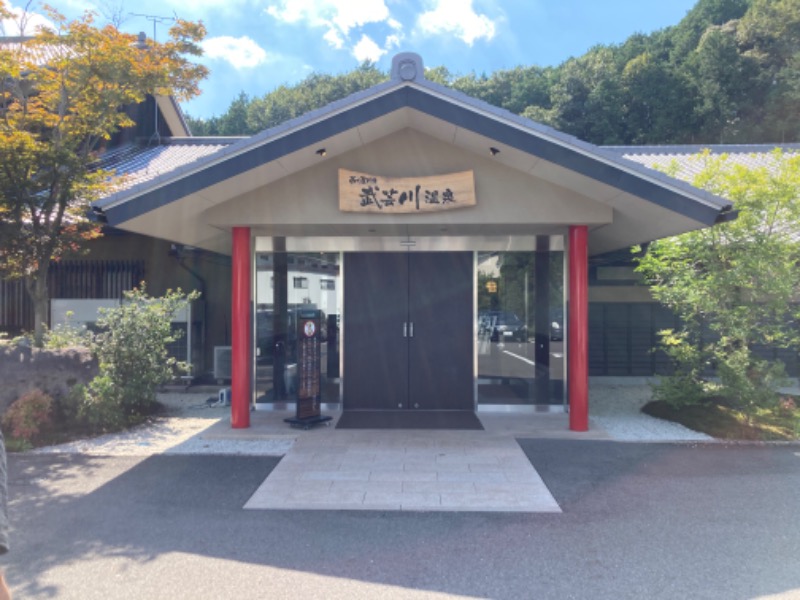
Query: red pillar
[
  {"x": 241, "y": 329},
  {"x": 578, "y": 364}
]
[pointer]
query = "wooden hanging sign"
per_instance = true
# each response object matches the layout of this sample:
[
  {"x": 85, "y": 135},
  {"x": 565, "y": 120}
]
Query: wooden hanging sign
[{"x": 360, "y": 192}]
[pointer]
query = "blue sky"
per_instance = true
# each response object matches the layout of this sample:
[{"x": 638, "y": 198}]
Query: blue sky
[{"x": 256, "y": 45}]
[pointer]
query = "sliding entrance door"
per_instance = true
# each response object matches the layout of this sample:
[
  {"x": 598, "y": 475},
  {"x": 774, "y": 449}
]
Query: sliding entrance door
[{"x": 408, "y": 332}]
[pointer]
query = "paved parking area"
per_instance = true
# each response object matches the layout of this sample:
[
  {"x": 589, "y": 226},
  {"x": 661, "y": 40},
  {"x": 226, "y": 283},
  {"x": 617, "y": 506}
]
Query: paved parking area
[{"x": 639, "y": 520}]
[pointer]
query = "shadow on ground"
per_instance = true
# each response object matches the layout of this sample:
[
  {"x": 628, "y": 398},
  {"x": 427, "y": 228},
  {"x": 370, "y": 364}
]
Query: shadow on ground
[{"x": 635, "y": 516}]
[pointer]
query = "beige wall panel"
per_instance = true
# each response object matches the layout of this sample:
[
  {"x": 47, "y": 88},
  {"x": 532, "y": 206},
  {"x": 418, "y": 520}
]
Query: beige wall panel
[
  {"x": 619, "y": 293},
  {"x": 163, "y": 272},
  {"x": 505, "y": 196}
]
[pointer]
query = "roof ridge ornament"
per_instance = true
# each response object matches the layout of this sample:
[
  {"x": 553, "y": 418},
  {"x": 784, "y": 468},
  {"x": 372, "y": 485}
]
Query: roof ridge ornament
[{"x": 407, "y": 66}]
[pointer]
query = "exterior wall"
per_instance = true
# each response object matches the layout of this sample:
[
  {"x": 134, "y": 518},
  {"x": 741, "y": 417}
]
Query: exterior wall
[
  {"x": 163, "y": 271},
  {"x": 624, "y": 321},
  {"x": 159, "y": 266}
]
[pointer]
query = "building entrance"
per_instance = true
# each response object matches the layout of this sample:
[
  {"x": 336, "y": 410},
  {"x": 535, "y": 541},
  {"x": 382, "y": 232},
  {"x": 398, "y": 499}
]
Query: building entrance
[{"x": 408, "y": 331}]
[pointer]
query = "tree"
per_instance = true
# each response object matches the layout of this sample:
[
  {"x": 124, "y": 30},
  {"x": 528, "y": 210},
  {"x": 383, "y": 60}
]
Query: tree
[
  {"x": 734, "y": 286},
  {"x": 61, "y": 97},
  {"x": 587, "y": 97},
  {"x": 656, "y": 103}
]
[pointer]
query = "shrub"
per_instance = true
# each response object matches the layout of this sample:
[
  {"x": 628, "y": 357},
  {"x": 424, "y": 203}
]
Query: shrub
[
  {"x": 66, "y": 335},
  {"x": 69, "y": 409},
  {"x": 100, "y": 406},
  {"x": 748, "y": 383},
  {"x": 29, "y": 417},
  {"x": 132, "y": 350},
  {"x": 685, "y": 386},
  {"x": 679, "y": 389}
]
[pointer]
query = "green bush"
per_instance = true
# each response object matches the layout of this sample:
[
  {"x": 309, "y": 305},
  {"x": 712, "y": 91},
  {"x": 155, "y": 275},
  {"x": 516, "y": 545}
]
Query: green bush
[
  {"x": 66, "y": 335},
  {"x": 685, "y": 387},
  {"x": 132, "y": 352},
  {"x": 131, "y": 349},
  {"x": 679, "y": 390},
  {"x": 748, "y": 383},
  {"x": 100, "y": 406}
]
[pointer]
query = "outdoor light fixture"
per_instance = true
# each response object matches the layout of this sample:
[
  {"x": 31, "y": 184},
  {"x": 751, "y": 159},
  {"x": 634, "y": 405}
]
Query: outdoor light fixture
[
  {"x": 99, "y": 214},
  {"x": 322, "y": 152},
  {"x": 494, "y": 151}
]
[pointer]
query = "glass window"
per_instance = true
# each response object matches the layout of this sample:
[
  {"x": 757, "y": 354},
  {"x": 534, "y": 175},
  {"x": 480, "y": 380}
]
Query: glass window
[
  {"x": 520, "y": 327},
  {"x": 276, "y": 322}
]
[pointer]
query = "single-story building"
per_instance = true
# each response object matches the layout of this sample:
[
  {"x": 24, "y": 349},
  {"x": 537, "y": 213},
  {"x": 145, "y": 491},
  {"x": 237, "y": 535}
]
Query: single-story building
[{"x": 438, "y": 246}]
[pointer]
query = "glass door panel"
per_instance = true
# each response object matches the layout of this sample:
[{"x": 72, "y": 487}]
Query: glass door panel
[
  {"x": 285, "y": 283},
  {"x": 519, "y": 326}
]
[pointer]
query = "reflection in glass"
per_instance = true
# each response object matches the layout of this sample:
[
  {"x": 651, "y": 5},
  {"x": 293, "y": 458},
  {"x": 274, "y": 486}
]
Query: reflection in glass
[
  {"x": 520, "y": 327},
  {"x": 286, "y": 283}
]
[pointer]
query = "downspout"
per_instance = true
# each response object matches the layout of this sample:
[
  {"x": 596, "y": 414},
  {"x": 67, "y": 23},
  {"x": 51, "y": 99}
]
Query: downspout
[{"x": 175, "y": 250}]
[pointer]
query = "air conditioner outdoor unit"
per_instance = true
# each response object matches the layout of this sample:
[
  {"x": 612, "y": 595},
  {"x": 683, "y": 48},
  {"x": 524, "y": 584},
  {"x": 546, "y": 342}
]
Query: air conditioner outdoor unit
[{"x": 222, "y": 363}]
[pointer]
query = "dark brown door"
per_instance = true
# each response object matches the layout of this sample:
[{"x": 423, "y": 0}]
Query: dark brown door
[{"x": 408, "y": 331}]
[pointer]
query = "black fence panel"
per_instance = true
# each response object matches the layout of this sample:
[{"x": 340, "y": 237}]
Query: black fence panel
[
  {"x": 82, "y": 279},
  {"x": 623, "y": 338}
]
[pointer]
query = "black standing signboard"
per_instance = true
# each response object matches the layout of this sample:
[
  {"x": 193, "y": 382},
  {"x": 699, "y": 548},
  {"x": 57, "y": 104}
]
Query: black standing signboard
[{"x": 308, "y": 371}]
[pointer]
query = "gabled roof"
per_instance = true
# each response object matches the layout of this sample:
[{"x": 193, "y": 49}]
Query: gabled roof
[
  {"x": 138, "y": 164},
  {"x": 409, "y": 100}
]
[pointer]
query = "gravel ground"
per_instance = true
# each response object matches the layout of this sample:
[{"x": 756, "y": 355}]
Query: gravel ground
[
  {"x": 179, "y": 431},
  {"x": 614, "y": 407}
]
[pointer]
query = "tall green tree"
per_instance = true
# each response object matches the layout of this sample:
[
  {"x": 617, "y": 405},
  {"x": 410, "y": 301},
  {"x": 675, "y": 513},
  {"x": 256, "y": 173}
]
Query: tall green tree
[
  {"x": 734, "y": 286},
  {"x": 61, "y": 95}
]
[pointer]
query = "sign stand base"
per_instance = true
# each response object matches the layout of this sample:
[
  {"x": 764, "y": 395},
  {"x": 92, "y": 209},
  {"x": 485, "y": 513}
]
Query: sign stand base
[{"x": 307, "y": 422}]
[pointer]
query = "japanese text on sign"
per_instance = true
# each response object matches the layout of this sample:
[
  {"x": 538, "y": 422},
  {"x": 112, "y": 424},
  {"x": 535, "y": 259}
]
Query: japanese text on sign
[{"x": 359, "y": 192}]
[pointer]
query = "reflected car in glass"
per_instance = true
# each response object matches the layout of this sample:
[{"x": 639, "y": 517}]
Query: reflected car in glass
[{"x": 502, "y": 326}]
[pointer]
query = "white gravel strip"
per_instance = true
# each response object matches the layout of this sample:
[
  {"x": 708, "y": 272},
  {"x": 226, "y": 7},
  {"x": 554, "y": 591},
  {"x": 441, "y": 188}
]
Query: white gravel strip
[
  {"x": 168, "y": 435},
  {"x": 644, "y": 428},
  {"x": 179, "y": 433},
  {"x": 615, "y": 405}
]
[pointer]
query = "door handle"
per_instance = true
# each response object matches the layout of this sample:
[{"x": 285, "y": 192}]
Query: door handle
[
  {"x": 405, "y": 329},
  {"x": 411, "y": 329}
]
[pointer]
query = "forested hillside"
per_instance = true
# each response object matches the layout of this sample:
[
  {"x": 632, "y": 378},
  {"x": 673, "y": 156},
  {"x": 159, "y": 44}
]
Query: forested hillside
[{"x": 729, "y": 72}]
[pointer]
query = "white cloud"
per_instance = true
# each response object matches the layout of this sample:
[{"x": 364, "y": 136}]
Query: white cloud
[
  {"x": 342, "y": 14},
  {"x": 241, "y": 53},
  {"x": 456, "y": 17},
  {"x": 334, "y": 39},
  {"x": 392, "y": 41},
  {"x": 367, "y": 49},
  {"x": 29, "y": 21},
  {"x": 201, "y": 6},
  {"x": 338, "y": 17}
]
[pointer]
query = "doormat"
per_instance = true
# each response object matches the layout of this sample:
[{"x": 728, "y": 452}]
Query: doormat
[{"x": 409, "y": 419}]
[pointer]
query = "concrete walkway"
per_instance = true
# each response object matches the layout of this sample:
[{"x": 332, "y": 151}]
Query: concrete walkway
[
  {"x": 405, "y": 470},
  {"x": 330, "y": 469}
]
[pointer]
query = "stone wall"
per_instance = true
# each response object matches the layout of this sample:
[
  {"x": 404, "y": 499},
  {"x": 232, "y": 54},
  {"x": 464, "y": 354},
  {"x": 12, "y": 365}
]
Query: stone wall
[{"x": 53, "y": 371}]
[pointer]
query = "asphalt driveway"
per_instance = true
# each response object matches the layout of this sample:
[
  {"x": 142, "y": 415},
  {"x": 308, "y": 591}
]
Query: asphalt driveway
[{"x": 639, "y": 521}]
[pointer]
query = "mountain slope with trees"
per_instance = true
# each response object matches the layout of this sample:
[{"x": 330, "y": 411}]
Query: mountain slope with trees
[{"x": 729, "y": 72}]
